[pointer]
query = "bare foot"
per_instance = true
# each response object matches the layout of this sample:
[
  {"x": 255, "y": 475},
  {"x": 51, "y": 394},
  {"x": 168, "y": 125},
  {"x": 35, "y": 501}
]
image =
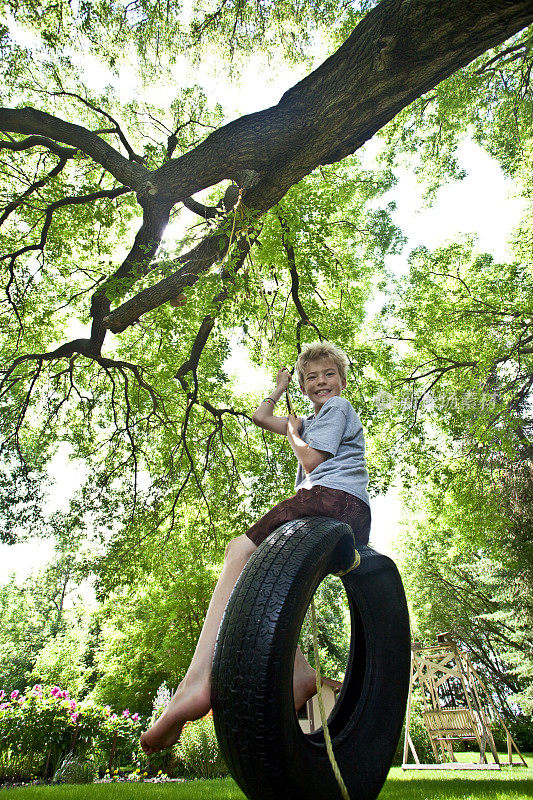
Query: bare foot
[
  {"x": 191, "y": 701},
  {"x": 304, "y": 687}
]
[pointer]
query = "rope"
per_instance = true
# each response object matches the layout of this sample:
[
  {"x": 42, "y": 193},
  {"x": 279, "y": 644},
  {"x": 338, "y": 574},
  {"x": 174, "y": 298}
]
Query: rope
[
  {"x": 318, "y": 674},
  {"x": 357, "y": 559},
  {"x": 323, "y": 715}
]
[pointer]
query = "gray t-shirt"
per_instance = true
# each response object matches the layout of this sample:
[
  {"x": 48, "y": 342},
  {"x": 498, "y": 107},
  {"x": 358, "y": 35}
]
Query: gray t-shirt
[{"x": 337, "y": 430}]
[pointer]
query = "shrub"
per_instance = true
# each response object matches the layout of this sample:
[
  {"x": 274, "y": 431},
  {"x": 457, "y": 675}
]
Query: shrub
[
  {"x": 39, "y": 728},
  {"x": 520, "y": 728},
  {"x": 198, "y": 752},
  {"x": 118, "y": 737},
  {"x": 36, "y": 728}
]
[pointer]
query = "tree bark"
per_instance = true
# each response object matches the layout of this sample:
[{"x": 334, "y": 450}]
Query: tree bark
[{"x": 399, "y": 51}]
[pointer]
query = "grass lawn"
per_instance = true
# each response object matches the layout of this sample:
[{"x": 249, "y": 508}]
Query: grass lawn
[{"x": 511, "y": 783}]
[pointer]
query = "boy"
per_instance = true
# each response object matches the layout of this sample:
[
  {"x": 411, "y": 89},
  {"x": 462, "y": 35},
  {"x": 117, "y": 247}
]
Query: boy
[{"x": 331, "y": 481}]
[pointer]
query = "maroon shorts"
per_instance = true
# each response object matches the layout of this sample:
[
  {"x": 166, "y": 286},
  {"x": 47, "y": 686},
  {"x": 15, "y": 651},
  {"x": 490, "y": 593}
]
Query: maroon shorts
[{"x": 319, "y": 501}]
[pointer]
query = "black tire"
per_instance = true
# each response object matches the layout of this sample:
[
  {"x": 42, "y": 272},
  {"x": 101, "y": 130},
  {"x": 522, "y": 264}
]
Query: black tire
[{"x": 261, "y": 740}]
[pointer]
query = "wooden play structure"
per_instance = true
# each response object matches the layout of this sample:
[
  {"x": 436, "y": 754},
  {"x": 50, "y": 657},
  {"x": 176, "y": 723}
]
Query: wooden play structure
[
  {"x": 456, "y": 707},
  {"x": 309, "y": 715}
]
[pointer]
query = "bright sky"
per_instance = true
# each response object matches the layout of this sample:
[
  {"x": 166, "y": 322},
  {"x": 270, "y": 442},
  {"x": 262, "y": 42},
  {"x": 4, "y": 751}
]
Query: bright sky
[{"x": 482, "y": 204}]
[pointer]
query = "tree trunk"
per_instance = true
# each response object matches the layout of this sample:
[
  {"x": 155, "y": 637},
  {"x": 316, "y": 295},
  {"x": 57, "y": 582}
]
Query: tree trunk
[{"x": 400, "y": 50}]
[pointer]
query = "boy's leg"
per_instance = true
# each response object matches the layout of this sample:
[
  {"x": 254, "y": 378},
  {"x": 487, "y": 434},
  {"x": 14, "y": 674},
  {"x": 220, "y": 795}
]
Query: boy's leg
[
  {"x": 193, "y": 696},
  {"x": 304, "y": 680}
]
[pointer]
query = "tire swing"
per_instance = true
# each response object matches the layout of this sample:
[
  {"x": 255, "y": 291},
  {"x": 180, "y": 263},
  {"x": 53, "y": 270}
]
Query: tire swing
[{"x": 260, "y": 738}]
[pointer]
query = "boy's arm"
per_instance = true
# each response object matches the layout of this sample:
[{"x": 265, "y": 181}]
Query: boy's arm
[
  {"x": 308, "y": 457},
  {"x": 264, "y": 415}
]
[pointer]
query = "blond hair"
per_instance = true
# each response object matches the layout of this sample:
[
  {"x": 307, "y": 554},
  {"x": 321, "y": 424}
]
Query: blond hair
[{"x": 317, "y": 351}]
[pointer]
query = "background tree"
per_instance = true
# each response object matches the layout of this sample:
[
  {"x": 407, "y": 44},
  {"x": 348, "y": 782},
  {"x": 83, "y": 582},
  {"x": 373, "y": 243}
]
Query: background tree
[
  {"x": 291, "y": 250},
  {"x": 466, "y": 449},
  {"x": 393, "y": 56},
  {"x": 33, "y": 614}
]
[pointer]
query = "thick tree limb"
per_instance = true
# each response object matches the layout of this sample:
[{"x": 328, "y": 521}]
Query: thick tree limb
[
  {"x": 206, "y": 212},
  {"x": 135, "y": 265},
  {"x": 31, "y": 121},
  {"x": 399, "y": 51},
  {"x": 38, "y": 141},
  {"x": 195, "y": 263}
]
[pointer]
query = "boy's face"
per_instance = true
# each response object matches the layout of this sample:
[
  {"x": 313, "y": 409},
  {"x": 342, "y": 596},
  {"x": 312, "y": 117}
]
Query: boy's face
[{"x": 322, "y": 381}]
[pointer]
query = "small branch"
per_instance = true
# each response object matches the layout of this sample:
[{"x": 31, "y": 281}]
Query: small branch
[
  {"x": 49, "y": 213},
  {"x": 218, "y": 412},
  {"x": 30, "y": 121},
  {"x": 524, "y": 46},
  {"x": 295, "y": 279},
  {"x": 70, "y": 350},
  {"x": 116, "y": 127},
  {"x": 38, "y": 141},
  {"x": 31, "y": 189},
  {"x": 172, "y": 141},
  {"x": 206, "y": 212},
  {"x": 243, "y": 247}
]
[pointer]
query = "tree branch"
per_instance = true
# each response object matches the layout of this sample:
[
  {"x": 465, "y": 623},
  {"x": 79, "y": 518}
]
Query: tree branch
[
  {"x": 33, "y": 188},
  {"x": 196, "y": 262},
  {"x": 38, "y": 141},
  {"x": 295, "y": 278},
  {"x": 397, "y": 53},
  {"x": 206, "y": 212},
  {"x": 136, "y": 264},
  {"x": 243, "y": 247},
  {"x": 49, "y": 213},
  {"x": 31, "y": 121},
  {"x": 116, "y": 127}
]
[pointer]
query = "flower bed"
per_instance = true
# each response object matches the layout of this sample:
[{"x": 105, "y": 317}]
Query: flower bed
[{"x": 40, "y": 728}]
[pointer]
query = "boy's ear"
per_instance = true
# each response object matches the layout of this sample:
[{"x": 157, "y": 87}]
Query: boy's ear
[{"x": 344, "y": 383}]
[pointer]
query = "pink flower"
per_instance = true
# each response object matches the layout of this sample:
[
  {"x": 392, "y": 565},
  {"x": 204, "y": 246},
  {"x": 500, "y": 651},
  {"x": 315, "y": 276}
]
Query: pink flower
[
  {"x": 4, "y": 706},
  {"x": 55, "y": 692},
  {"x": 107, "y": 710},
  {"x": 37, "y": 687},
  {"x": 2, "y": 694},
  {"x": 65, "y": 695},
  {"x": 135, "y": 717},
  {"x": 126, "y": 712},
  {"x": 113, "y": 716},
  {"x": 14, "y": 694},
  {"x": 74, "y": 716},
  {"x": 73, "y": 705}
]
